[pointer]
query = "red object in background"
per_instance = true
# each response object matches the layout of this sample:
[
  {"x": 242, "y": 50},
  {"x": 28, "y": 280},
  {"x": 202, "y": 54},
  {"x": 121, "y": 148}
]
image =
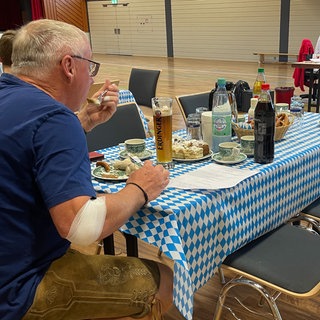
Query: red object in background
[
  {"x": 306, "y": 51},
  {"x": 95, "y": 156},
  {"x": 284, "y": 94},
  {"x": 36, "y": 8}
]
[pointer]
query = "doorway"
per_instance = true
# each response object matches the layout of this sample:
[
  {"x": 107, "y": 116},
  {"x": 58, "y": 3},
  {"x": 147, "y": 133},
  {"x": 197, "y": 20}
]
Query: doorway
[{"x": 110, "y": 28}]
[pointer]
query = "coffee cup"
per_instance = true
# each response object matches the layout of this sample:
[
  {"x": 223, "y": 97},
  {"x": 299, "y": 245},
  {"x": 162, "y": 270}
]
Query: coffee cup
[
  {"x": 281, "y": 107},
  {"x": 247, "y": 144},
  {"x": 134, "y": 146},
  {"x": 229, "y": 151}
]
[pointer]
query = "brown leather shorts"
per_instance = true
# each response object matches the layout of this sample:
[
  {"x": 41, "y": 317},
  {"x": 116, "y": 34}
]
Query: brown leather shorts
[{"x": 79, "y": 286}]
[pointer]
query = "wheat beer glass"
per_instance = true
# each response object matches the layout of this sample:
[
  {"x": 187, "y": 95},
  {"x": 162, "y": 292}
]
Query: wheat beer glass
[{"x": 162, "y": 120}]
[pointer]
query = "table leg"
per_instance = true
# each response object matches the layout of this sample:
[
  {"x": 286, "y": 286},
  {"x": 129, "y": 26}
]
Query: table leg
[
  {"x": 317, "y": 93},
  {"x": 132, "y": 245},
  {"x": 108, "y": 245},
  {"x": 310, "y": 90}
]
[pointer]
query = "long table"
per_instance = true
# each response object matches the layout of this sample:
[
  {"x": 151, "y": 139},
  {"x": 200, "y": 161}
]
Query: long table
[
  {"x": 313, "y": 76},
  {"x": 199, "y": 228}
]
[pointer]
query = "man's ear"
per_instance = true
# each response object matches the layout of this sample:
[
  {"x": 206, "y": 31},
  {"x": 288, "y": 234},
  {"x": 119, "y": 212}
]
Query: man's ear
[{"x": 68, "y": 66}]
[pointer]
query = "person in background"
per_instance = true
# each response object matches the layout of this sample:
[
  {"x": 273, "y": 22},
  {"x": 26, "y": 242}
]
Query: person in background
[
  {"x": 47, "y": 200},
  {"x": 6, "y": 49}
]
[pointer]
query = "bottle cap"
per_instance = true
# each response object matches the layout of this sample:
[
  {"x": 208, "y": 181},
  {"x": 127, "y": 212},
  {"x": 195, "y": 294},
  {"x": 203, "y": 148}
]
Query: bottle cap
[
  {"x": 260, "y": 69},
  {"x": 221, "y": 82},
  {"x": 265, "y": 86}
]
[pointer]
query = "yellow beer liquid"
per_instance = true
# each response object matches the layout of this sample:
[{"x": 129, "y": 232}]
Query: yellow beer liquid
[{"x": 163, "y": 137}]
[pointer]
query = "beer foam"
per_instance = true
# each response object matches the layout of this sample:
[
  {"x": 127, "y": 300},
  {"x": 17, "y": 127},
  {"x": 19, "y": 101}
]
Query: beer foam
[{"x": 165, "y": 111}]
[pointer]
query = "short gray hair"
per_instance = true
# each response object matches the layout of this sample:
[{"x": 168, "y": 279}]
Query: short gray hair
[{"x": 41, "y": 44}]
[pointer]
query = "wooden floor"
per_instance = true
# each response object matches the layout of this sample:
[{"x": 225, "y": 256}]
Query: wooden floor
[{"x": 183, "y": 76}]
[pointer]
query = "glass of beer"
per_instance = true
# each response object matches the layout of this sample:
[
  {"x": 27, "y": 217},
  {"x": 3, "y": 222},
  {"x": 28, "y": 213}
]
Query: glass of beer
[{"x": 162, "y": 120}]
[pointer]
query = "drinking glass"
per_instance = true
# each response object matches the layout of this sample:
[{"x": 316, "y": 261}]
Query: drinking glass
[
  {"x": 162, "y": 119},
  {"x": 194, "y": 126}
]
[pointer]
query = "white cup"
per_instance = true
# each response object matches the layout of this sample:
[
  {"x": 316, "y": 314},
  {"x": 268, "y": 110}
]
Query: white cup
[
  {"x": 229, "y": 151},
  {"x": 134, "y": 146},
  {"x": 247, "y": 144}
]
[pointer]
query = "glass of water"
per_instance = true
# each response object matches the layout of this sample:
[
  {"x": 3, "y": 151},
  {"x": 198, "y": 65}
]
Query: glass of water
[{"x": 193, "y": 128}]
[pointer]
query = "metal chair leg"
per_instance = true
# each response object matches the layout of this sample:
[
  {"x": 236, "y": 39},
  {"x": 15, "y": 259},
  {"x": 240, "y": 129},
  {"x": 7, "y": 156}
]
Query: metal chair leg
[{"x": 245, "y": 282}]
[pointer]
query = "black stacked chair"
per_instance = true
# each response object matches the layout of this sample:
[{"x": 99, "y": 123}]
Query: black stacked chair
[
  {"x": 286, "y": 260},
  {"x": 143, "y": 85}
]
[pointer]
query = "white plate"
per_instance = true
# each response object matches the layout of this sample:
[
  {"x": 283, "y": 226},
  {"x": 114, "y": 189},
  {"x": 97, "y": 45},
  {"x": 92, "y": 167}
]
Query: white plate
[
  {"x": 142, "y": 156},
  {"x": 194, "y": 160},
  {"x": 315, "y": 60},
  {"x": 113, "y": 175},
  {"x": 217, "y": 158}
]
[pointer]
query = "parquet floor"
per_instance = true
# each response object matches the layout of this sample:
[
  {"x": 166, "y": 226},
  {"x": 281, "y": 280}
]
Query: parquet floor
[{"x": 183, "y": 76}]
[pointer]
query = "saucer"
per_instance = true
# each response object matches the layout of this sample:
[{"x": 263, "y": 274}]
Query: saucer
[
  {"x": 142, "y": 155},
  {"x": 248, "y": 154},
  {"x": 217, "y": 158}
]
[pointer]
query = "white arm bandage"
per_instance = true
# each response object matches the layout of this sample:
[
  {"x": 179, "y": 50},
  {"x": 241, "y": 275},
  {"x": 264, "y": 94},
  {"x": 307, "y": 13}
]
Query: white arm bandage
[{"x": 88, "y": 223}]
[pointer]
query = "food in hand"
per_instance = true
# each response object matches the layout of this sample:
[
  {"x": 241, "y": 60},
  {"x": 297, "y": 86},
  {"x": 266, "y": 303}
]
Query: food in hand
[
  {"x": 189, "y": 149},
  {"x": 93, "y": 101}
]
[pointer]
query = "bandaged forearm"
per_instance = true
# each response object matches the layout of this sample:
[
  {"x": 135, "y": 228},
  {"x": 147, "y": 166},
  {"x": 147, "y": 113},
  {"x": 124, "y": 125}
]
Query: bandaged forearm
[{"x": 88, "y": 223}]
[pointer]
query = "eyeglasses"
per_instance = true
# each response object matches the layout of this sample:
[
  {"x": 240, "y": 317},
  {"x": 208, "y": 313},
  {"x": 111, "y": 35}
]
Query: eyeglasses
[{"x": 93, "y": 66}]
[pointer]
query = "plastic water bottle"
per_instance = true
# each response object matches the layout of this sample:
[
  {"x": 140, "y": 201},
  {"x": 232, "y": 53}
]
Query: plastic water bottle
[
  {"x": 297, "y": 110},
  {"x": 221, "y": 116}
]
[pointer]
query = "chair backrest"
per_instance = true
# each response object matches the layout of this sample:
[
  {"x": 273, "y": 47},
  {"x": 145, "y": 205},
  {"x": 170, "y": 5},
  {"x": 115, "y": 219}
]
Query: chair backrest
[
  {"x": 189, "y": 103},
  {"x": 143, "y": 85},
  {"x": 126, "y": 123}
]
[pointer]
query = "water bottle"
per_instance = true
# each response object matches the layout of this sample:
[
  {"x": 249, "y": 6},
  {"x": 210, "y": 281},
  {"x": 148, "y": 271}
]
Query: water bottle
[
  {"x": 221, "y": 116},
  {"x": 297, "y": 110},
  {"x": 264, "y": 127}
]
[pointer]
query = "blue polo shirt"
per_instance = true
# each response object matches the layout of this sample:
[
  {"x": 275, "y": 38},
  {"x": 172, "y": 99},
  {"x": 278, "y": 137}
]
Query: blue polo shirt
[{"x": 43, "y": 162}]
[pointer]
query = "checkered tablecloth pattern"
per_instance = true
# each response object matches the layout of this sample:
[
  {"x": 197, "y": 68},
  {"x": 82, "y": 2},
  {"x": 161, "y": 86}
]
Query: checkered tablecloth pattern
[{"x": 199, "y": 228}]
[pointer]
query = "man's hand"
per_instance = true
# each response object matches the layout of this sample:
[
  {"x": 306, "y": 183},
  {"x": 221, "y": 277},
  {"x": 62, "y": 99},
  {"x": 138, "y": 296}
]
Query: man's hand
[{"x": 91, "y": 114}]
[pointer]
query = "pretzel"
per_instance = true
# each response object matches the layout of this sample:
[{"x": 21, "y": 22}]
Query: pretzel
[{"x": 282, "y": 120}]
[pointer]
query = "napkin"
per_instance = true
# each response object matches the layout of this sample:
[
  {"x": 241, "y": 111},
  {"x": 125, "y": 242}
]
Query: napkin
[{"x": 212, "y": 177}]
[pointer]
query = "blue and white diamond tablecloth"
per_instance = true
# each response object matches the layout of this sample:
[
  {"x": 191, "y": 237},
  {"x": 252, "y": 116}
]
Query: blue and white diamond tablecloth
[{"x": 198, "y": 229}]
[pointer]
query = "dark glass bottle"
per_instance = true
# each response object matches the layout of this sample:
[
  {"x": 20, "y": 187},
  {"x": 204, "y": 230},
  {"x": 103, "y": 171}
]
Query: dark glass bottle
[{"x": 264, "y": 127}]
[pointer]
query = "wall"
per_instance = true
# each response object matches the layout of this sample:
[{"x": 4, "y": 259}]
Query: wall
[
  {"x": 70, "y": 11},
  {"x": 220, "y": 30},
  {"x": 146, "y": 24},
  {"x": 304, "y": 22}
]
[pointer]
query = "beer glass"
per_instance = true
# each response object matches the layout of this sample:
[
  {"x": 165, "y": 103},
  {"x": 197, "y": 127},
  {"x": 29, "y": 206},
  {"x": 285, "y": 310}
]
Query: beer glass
[{"x": 162, "y": 120}]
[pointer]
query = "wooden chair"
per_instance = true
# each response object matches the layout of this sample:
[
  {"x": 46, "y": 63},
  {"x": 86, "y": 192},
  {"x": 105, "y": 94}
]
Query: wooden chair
[
  {"x": 283, "y": 260},
  {"x": 188, "y": 103},
  {"x": 143, "y": 85}
]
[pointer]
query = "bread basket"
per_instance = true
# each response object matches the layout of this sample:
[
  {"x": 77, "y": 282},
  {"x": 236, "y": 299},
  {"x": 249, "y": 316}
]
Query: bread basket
[{"x": 279, "y": 134}]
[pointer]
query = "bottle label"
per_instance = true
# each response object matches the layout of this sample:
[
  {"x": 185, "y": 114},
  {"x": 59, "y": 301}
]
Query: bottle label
[{"x": 221, "y": 126}]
